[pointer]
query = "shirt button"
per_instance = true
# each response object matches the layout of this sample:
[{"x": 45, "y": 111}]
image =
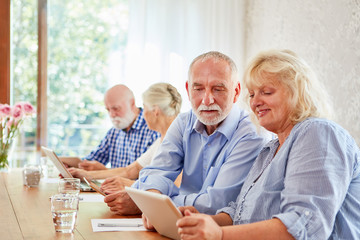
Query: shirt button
[{"x": 307, "y": 213}]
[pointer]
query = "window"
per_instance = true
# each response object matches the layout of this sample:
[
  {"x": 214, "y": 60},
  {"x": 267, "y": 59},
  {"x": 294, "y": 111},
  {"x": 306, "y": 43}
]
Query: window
[
  {"x": 85, "y": 53},
  {"x": 24, "y": 46}
]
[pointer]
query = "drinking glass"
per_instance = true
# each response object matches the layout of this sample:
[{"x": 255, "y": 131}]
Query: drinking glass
[
  {"x": 64, "y": 209},
  {"x": 69, "y": 186},
  {"x": 31, "y": 175},
  {"x": 44, "y": 167}
]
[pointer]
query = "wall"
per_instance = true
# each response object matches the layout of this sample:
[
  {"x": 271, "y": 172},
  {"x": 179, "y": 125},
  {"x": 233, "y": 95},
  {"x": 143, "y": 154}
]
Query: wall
[
  {"x": 165, "y": 36},
  {"x": 326, "y": 34}
]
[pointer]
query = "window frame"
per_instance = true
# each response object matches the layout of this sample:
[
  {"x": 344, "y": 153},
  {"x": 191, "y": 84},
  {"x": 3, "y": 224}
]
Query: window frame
[
  {"x": 5, "y": 51},
  {"x": 5, "y": 80}
]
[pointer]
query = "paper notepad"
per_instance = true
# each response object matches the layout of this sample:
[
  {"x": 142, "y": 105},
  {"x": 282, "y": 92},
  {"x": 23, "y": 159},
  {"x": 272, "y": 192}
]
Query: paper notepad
[{"x": 114, "y": 225}]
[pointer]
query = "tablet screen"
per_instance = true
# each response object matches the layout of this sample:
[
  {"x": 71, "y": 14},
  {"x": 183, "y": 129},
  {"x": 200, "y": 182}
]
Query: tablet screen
[
  {"x": 57, "y": 162},
  {"x": 159, "y": 209}
]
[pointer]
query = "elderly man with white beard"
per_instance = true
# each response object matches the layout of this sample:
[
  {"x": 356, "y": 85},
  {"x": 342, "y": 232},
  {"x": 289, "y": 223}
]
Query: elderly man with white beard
[
  {"x": 214, "y": 144},
  {"x": 127, "y": 139}
]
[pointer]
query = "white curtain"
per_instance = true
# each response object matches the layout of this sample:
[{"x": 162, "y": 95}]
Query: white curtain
[{"x": 166, "y": 35}]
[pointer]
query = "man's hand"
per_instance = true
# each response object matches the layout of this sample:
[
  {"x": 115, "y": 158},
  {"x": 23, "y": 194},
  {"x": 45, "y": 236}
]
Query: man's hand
[
  {"x": 91, "y": 165},
  {"x": 115, "y": 184},
  {"x": 121, "y": 203},
  {"x": 79, "y": 173}
]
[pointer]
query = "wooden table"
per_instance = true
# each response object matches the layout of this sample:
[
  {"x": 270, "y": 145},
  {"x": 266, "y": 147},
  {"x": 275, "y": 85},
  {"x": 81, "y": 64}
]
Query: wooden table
[{"x": 25, "y": 213}]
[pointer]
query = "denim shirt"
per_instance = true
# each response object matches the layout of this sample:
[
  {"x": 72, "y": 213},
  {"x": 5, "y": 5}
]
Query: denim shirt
[
  {"x": 214, "y": 167},
  {"x": 312, "y": 184}
]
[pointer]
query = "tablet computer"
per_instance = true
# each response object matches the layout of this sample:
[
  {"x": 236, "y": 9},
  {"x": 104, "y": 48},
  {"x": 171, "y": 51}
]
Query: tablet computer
[
  {"x": 94, "y": 186},
  {"x": 62, "y": 169},
  {"x": 159, "y": 209},
  {"x": 57, "y": 162}
]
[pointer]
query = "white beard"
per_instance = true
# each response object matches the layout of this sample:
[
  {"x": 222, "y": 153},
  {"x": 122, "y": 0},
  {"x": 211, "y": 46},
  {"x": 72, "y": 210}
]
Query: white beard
[
  {"x": 216, "y": 120},
  {"x": 122, "y": 123}
]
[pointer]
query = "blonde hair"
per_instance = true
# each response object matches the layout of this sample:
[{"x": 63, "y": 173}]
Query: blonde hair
[
  {"x": 165, "y": 96},
  {"x": 216, "y": 56},
  {"x": 308, "y": 97}
]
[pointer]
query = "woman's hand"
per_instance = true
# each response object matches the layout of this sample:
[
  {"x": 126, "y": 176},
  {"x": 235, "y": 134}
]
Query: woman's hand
[
  {"x": 147, "y": 223},
  {"x": 198, "y": 226},
  {"x": 192, "y": 209}
]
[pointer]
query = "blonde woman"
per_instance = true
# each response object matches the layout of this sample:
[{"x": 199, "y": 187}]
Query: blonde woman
[{"x": 162, "y": 103}]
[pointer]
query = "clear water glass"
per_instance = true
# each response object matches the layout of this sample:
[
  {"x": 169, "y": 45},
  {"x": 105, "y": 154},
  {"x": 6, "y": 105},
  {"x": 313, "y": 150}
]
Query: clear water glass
[
  {"x": 69, "y": 186},
  {"x": 64, "y": 209},
  {"x": 31, "y": 175}
]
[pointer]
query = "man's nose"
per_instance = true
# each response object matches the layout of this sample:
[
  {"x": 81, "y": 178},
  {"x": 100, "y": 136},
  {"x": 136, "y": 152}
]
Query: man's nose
[
  {"x": 112, "y": 113},
  {"x": 208, "y": 98}
]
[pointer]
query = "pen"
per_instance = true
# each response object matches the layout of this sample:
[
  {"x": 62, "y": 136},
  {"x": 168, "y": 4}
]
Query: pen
[{"x": 119, "y": 224}]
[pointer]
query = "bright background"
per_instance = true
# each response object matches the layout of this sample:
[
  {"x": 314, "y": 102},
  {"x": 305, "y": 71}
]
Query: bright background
[{"x": 96, "y": 44}]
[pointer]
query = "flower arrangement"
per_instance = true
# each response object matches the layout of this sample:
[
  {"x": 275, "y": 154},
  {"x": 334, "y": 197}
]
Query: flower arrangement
[{"x": 11, "y": 119}]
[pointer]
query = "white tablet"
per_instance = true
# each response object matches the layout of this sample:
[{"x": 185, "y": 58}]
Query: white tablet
[
  {"x": 57, "y": 162},
  {"x": 62, "y": 169},
  {"x": 159, "y": 209}
]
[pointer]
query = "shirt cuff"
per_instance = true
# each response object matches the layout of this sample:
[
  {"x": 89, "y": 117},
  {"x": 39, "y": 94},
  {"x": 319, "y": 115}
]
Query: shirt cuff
[
  {"x": 162, "y": 184},
  {"x": 296, "y": 225},
  {"x": 230, "y": 210},
  {"x": 179, "y": 200}
]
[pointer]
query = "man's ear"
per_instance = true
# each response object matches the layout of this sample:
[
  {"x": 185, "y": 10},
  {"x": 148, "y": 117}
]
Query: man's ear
[
  {"x": 132, "y": 104},
  {"x": 237, "y": 92},
  {"x": 187, "y": 88},
  {"x": 156, "y": 111}
]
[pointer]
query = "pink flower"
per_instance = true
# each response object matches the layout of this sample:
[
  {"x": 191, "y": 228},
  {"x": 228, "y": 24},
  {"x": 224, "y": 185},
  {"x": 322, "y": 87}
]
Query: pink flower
[
  {"x": 11, "y": 119},
  {"x": 5, "y": 110},
  {"x": 17, "y": 112},
  {"x": 28, "y": 108}
]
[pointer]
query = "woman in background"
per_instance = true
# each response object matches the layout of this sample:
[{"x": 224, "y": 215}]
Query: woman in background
[
  {"x": 306, "y": 183},
  {"x": 162, "y": 103}
]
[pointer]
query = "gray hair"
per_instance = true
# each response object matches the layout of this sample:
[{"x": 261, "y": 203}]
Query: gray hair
[
  {"x": 165, "y": 96},
  {"x": 216, "y": 56}
]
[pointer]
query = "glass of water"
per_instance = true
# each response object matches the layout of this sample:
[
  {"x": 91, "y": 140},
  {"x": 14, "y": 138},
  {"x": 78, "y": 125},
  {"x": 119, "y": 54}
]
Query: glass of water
[
  {"x": 31, "y": 175},
  {"x": 69, "y": 186},
  {"x": 64, "y": 209}
]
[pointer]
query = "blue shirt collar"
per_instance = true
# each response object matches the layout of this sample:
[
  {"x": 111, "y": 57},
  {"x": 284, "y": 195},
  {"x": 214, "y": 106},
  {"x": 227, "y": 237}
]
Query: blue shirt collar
[{"x": 227, "y": 127}]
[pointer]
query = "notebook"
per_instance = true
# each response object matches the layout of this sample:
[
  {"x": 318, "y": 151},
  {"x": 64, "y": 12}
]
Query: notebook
[
  {"x": 159, "y": 209},
  {"x": 63, "y": 170}
]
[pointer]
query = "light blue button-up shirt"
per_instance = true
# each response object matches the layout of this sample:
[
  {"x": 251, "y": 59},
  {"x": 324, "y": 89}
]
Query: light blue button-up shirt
[
  {"x": 214, "y": 167},
  {"x": 312, "y": 184}
]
